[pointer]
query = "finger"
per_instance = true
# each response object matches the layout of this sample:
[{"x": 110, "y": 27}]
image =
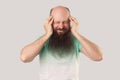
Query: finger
[
  {"x": 74, "y": 20},
  {"x": 48, "y": 20},
  {"x": 51, "y": 21},
  {"x": 71, "y": 19}
]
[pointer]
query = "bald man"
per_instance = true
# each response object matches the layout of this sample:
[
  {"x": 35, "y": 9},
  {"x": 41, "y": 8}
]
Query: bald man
[{"x": 59, "y": 47}]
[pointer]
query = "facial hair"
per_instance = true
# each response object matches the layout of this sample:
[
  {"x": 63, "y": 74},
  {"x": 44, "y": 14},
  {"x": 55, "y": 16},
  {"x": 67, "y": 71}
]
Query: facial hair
[{"x": 62, "y": 45}]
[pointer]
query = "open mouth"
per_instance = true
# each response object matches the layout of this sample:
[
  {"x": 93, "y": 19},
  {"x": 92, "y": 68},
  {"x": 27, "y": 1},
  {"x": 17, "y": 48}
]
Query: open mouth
[{"x": 60, "y": 30}]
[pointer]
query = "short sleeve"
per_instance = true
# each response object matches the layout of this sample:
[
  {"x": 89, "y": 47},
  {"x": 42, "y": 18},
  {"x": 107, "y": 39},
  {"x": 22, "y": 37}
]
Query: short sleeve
[{"x": 78, "y": 45}]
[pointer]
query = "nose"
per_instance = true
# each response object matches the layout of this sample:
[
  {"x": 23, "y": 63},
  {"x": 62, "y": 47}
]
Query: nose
[{"x": 61, "y": 25}]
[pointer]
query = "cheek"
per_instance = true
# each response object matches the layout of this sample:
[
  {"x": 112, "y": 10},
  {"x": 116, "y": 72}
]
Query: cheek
[
  {"x": 54, "y": 26},
  {"x": 67, "y": 26}
]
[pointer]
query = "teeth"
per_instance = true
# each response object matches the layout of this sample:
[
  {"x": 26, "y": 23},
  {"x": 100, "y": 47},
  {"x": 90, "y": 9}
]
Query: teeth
[{"x": 60, "y": 30}]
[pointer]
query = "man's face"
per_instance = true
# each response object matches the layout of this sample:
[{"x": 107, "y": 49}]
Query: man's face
[{"x": 61, "y": 23}]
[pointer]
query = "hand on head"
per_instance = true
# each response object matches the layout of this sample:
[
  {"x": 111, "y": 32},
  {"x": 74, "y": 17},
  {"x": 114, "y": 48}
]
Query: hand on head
[
  {"x": 62, "y": 19},
  {"x": 74, "y": 24},
  {"x": 49, "y": 21},
  {"x": 48, "y": 25}
]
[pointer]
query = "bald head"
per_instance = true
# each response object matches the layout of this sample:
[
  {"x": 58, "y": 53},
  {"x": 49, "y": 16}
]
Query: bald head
[
  {"x": 60, "y": 11},
  {"x": 60, "y": 8}
]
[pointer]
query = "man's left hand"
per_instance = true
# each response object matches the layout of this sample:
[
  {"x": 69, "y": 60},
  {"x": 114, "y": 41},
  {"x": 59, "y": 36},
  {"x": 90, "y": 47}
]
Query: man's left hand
[{"x": 74, "y": 28}]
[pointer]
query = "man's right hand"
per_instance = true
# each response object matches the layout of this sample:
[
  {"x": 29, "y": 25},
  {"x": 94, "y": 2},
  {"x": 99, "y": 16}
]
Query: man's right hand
[
  {"x": 29, "y": 52},
  {"x": 48, "y": 26}
]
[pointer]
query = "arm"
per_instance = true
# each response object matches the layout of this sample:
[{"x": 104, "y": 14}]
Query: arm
[
  {"x": 30, "y": 51},
  {"x": 90, "y": 49}
]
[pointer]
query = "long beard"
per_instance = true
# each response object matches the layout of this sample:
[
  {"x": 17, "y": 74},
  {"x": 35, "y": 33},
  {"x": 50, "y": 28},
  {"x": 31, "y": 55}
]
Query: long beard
[{"x": 61, "y": 45}]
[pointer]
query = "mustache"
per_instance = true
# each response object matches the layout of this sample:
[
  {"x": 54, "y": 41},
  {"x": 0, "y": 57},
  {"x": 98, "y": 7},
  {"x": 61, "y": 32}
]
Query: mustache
[
  {"x": 60, "y": 29},
  {"x": 55, "y": 30},
  {"x": 63, "y": 29}
]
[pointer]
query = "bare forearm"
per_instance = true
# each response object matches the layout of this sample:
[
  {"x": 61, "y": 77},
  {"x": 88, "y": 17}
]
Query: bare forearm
[
  {"x": 89, "y": 48},
  {"x": 30, "y": 51}
]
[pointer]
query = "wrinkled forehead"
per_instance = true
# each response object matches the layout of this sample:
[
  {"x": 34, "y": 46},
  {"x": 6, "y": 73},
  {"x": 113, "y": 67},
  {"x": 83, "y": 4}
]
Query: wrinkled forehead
[
  {"x": 60, "y": 14},
  {"x": 60, "y": 17}
]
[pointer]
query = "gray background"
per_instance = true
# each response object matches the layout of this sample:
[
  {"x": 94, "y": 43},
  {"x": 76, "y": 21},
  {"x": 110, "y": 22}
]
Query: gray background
[{"x": 21, "y": 22}]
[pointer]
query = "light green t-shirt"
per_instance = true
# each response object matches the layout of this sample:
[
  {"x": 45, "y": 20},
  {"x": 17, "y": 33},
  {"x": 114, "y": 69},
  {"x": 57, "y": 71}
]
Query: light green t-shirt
[{"x": 53, "y": 67}]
